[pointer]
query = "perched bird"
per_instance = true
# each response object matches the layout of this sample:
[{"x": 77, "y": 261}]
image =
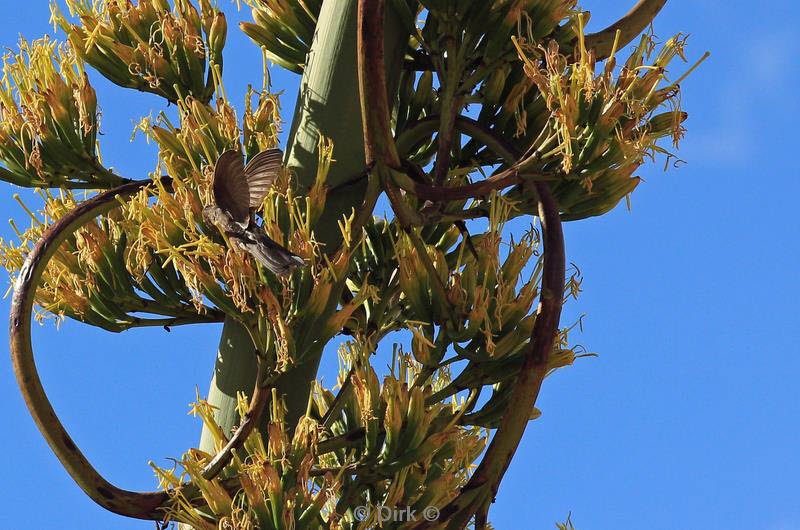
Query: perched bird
[{"x": 238, "y": 191}]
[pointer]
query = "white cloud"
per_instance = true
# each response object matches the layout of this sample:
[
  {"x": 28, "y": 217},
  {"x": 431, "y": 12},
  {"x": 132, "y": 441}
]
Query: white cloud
[
  {"x": 768, "y": 57},
  {"x": 742, "y": 105},
  {"x": 729, "y": 136}
]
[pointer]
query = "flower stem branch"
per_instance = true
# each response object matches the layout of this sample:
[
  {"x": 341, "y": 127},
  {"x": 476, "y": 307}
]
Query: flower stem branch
[
  {"x": 258, "y": 402},
  {"x": 629, "y": 26},
  {"x": 481, "y": 489},
  {"x": 132, "y": 504}
]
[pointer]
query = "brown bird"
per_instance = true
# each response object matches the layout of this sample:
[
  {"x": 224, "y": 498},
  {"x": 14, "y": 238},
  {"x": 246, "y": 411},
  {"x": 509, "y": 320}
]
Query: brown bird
[{"x": 238, "y": 191}]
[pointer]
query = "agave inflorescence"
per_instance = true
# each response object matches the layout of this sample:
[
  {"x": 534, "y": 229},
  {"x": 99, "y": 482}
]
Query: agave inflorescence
[
  {"x": 552, "y": 113},
  {"x": 285, "y": 29},
  {"x": 48, "y": 120},
  {"x": 150, "y": 46},
  {"x": 301, "y": 478}
]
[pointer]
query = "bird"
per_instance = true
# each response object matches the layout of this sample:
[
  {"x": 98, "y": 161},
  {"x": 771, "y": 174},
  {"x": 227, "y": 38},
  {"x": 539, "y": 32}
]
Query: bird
[{"x": 238, "y": 191}]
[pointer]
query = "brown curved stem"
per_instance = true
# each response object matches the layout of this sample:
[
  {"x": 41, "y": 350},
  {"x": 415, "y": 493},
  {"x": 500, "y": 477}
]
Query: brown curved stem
[
  {"x": 136, "y": 322},
  {"x": 469, "y": 191},
  {"x": 629, "y": 27},
  {"x": 482, "y": 487},
  {"x": 379, "y": 146},
  {"x": 509, "y": 177},
  {"x": 379, "y": 142},
  {"x": 381, "y": 150},
  {"x": 482, "y": 517},
  {"x": 526, "y": 389},
  {"x": 258, "y": 403},
  {"x": 420, "y": 129},
  {"x": 132, "y": 504},
  {"x": 147, "y": 505}
]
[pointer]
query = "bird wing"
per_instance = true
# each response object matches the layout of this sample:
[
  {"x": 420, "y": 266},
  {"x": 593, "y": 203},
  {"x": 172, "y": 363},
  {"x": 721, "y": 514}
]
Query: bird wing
[
  {"x": 260, "y": 174},
  {"x": 231, "y": 191}
]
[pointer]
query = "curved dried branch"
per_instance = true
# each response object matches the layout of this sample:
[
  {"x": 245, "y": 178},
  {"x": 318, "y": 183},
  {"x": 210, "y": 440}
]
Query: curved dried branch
[
  {"x": 140, "y": 505},
  {"x": 526, "y": 389},
  {"x": 258, "y": 403},
  {"x": 132, "y": 504},
  {"x": 379, "y": 146},
  {"x": 483, "y": 484},
  {"x": 215, "y": 315},
  {"x": 629, "y": 27},
  {"x": 499, "y": 181},
  {"x": 469, "y": 191},
  {"x": 378, "y": 139}
]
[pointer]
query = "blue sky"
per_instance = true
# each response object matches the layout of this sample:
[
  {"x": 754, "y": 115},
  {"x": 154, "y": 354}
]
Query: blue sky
[{"x": 689, "y": 418}]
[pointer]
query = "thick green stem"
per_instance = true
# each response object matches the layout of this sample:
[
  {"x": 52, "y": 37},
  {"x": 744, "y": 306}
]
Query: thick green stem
[
  {"x": 327, "y": 105},
  {"x": 234, "y": 371}
]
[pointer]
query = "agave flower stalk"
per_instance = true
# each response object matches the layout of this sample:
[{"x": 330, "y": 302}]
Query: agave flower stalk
[{"x": 563, "y": 121}]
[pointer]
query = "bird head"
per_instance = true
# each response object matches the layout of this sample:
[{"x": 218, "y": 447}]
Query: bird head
[{"x": 214, "y": 215}]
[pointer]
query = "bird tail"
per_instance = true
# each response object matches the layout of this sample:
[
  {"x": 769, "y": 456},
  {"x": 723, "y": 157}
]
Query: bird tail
[{"x": 275, "y": 257}]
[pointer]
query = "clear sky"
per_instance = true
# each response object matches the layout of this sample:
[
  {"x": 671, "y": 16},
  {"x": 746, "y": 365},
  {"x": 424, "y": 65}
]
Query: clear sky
[{"x": 690, "y": 416}]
